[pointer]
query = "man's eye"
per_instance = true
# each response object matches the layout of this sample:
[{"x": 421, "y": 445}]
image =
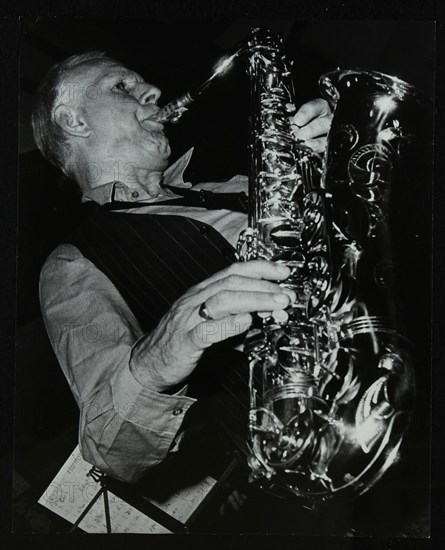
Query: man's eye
[
  {"x": 121, "y": 86},
  {"x": 125, "y": 86}
]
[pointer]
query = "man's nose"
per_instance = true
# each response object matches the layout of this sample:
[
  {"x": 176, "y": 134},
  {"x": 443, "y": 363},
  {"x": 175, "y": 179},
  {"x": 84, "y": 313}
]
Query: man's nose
[{"x": 147, "y": 93}]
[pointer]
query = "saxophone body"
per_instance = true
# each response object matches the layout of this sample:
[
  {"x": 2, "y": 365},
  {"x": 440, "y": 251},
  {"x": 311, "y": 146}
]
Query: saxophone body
[{"x": 331, "y": 378}]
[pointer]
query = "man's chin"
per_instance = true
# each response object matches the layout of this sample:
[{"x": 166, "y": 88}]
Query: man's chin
[
  {"x": 164, "y": 153},
  {"x": 167, "y": 151},
  {"x": 156, "y": 159},
  {"x": 161, "y": 149}
]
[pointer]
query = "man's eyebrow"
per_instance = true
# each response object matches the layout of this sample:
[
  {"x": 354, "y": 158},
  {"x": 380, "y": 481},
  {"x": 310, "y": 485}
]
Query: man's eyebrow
[{"x": 113, "y": 73}]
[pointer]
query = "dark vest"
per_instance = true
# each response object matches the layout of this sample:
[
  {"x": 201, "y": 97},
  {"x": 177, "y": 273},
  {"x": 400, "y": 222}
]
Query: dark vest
[{"x": 151, "y": 259}]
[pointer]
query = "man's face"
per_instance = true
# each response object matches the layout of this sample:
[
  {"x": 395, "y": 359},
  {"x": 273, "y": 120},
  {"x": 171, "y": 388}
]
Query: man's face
[{"x": 117, "y": 105}]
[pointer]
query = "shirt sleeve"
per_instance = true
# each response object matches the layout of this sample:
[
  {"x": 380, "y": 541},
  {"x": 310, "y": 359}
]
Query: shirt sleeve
[{"x": 125, "y": 428}]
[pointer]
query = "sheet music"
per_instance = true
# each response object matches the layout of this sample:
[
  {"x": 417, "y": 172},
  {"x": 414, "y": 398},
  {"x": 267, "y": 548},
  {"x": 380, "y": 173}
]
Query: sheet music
[{"x": 72, "y": 490}]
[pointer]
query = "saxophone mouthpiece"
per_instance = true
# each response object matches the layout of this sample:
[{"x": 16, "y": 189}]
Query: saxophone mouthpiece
[{"x": 173, "y": 111}]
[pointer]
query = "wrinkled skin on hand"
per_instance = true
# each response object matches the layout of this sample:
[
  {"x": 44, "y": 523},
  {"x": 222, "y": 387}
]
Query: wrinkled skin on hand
[{"x": 166, "y": 357}]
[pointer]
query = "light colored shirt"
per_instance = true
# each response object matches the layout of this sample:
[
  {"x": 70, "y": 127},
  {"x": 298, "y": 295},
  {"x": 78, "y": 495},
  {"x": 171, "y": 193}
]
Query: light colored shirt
[{"x": 125, "y": 428}]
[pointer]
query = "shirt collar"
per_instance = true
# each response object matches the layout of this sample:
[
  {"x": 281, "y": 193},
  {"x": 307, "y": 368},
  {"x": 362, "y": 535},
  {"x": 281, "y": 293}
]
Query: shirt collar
[{"x": 120, "y": 191}]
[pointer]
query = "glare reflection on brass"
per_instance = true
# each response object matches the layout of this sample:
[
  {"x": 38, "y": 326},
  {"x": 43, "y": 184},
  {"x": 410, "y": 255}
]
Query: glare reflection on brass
[{"x": 173, "y": 111}]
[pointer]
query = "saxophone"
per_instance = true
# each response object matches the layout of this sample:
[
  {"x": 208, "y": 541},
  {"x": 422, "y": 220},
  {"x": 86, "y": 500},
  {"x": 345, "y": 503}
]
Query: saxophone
[{"x": 331, "y": 378}]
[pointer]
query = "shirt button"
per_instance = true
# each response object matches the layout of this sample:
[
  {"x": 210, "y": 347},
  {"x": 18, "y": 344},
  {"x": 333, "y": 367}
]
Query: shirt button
[
  {"x": 135, "y": 194},
  {"x": 177, "y": 412},
  {"x": 204, "y": 229}
]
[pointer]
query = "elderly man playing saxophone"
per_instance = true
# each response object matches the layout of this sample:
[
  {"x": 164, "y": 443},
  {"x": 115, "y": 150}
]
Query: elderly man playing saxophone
[{"x": 135, "y": 300}]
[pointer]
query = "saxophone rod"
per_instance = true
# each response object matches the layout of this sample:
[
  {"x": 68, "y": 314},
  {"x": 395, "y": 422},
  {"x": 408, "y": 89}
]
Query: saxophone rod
[{"x": 174, "y": 109}]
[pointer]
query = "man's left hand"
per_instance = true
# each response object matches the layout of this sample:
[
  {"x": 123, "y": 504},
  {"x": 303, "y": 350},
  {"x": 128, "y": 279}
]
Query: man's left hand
[{"x": 311, "y": 123}]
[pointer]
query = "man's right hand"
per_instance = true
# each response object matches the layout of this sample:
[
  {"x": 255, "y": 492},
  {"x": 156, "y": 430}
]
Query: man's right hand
[{"x": 165, "y": 358}]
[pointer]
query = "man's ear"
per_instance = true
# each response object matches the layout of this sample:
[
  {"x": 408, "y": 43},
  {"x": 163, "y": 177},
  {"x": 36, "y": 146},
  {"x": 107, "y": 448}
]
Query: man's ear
[{"x": 70, "y": 120}]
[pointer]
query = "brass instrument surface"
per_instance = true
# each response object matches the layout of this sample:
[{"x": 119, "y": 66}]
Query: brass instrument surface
[{"x": 331, "y": 380}]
